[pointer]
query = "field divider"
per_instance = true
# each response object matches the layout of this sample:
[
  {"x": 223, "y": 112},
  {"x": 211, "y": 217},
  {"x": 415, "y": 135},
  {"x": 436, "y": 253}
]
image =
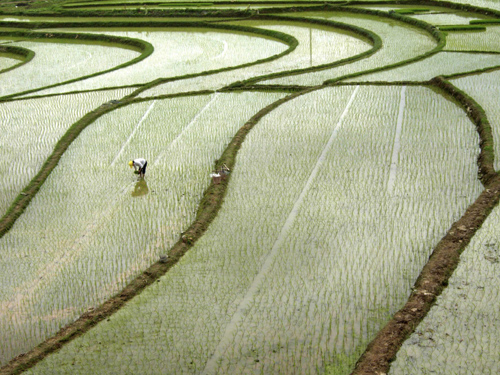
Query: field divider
[
  {"x": 209, "y": 206},
  {"x": 239, "y": 314},
  {"x": 382, "y": 350},
  {"x": 18, "y": 53}
]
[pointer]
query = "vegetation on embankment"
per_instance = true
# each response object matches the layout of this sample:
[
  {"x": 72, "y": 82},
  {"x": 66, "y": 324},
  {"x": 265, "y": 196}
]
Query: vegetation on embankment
[{"x": 19, "y": 53}]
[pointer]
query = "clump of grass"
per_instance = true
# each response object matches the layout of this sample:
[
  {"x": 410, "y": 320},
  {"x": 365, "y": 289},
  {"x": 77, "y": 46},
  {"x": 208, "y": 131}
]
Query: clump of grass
[
  {"x": 462, "y": 28},
  {"x": 408, "y": 11}
]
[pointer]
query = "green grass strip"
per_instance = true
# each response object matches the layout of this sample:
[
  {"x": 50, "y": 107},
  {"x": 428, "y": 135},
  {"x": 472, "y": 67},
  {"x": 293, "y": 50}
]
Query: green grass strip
[
  {"x": 462, "y": 28},
  {"x": 409, "y": 11},
  {"x": 478, "y": 116},
  {"x": 445, "y": 256},
  {"x": 18, "y": 53},
  {"x": 209, "y": 206},
  {"x": 141, "y": 46},
  {"x": 485, "y": 22},
  {"x": 372, "y": 38},
  {"x": 472, "y": 72}
]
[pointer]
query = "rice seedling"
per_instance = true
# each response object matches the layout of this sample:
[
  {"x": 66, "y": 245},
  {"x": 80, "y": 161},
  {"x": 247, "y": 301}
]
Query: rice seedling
[
  {"x": 58, "y": 62},
  {"x": 483, "y": 88},
  {"x": 77, "y": 243},
  {"x": 31, "y": 128},
  {"x": 442, "y": 63},
  {"x": 304, "y": 261},
  {"x": 207, "y": 50},
  {"x": 459, "y": 334},
  {"x": 395, "y": 47}
]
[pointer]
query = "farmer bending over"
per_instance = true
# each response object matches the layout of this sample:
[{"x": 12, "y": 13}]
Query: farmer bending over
[{"x": 139, "y": 165}]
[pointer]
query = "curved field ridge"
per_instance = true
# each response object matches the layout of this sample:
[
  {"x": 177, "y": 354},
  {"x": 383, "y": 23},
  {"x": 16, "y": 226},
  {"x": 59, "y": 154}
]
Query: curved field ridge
[
  {"x": 283, "y": 66},
  {"x": 144, "y": 48},
  {"x": 459, "y": 334},
  {"x": 288, "y": 40},
  {"x": 18, "y": 53},
  {"x": 484, "y": 89},
  {"x": 394, "y": 52}
]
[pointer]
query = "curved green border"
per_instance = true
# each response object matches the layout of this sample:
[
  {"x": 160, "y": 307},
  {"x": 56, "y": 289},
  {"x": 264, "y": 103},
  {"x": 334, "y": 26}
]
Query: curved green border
[
  {"x": 289, "y": 40},
  {"x": 19, "y": 53}
]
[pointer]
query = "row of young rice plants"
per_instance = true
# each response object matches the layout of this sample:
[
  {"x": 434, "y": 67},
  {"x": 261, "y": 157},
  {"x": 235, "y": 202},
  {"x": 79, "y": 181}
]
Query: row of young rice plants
[
  {"x": 30, "y": 130},
  {"x": 488, "y": 40},
  {"x": 179, "y": 52},
  {"x": 484, "y": 89},
  {"x": 60, "y": 61},
  {"x": 317, "y": 45},
  {"x": 400, "y": 41},
  {"x": 304, "y": 261},
  {"x": 93, "y": 227},
  {"x": 460, "y": 333},
  {"x": 442, "y": 63}
]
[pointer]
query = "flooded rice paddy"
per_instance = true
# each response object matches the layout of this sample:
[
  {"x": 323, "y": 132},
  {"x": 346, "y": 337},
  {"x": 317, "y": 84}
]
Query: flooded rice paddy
[
  {"x": 336, "y": 200},
  {"x": 302, "y": 242}
]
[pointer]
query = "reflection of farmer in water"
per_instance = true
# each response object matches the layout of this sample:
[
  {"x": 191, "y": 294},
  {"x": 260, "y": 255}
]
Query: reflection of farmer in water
[
  {"x": 141, "y": 188},
  {"x": 139, "y": 165}
]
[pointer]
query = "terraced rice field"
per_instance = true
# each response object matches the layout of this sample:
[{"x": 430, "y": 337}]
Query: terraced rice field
[{"x": 361, "y": 146}]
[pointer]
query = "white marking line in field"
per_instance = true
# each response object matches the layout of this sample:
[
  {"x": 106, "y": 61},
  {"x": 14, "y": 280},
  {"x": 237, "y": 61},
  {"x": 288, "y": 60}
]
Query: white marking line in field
[
  {"x": 162, "y": 154},
  {"x": 223, "y": 52},
  {"x": 397, "y": 143},
  {"x": 244, "y": 305},
  {"x": 133, "y": 132}
]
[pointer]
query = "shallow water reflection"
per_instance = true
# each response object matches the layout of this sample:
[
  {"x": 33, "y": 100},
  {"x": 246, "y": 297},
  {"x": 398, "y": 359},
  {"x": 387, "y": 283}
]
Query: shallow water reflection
[{"x": 141, "y": 188}]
